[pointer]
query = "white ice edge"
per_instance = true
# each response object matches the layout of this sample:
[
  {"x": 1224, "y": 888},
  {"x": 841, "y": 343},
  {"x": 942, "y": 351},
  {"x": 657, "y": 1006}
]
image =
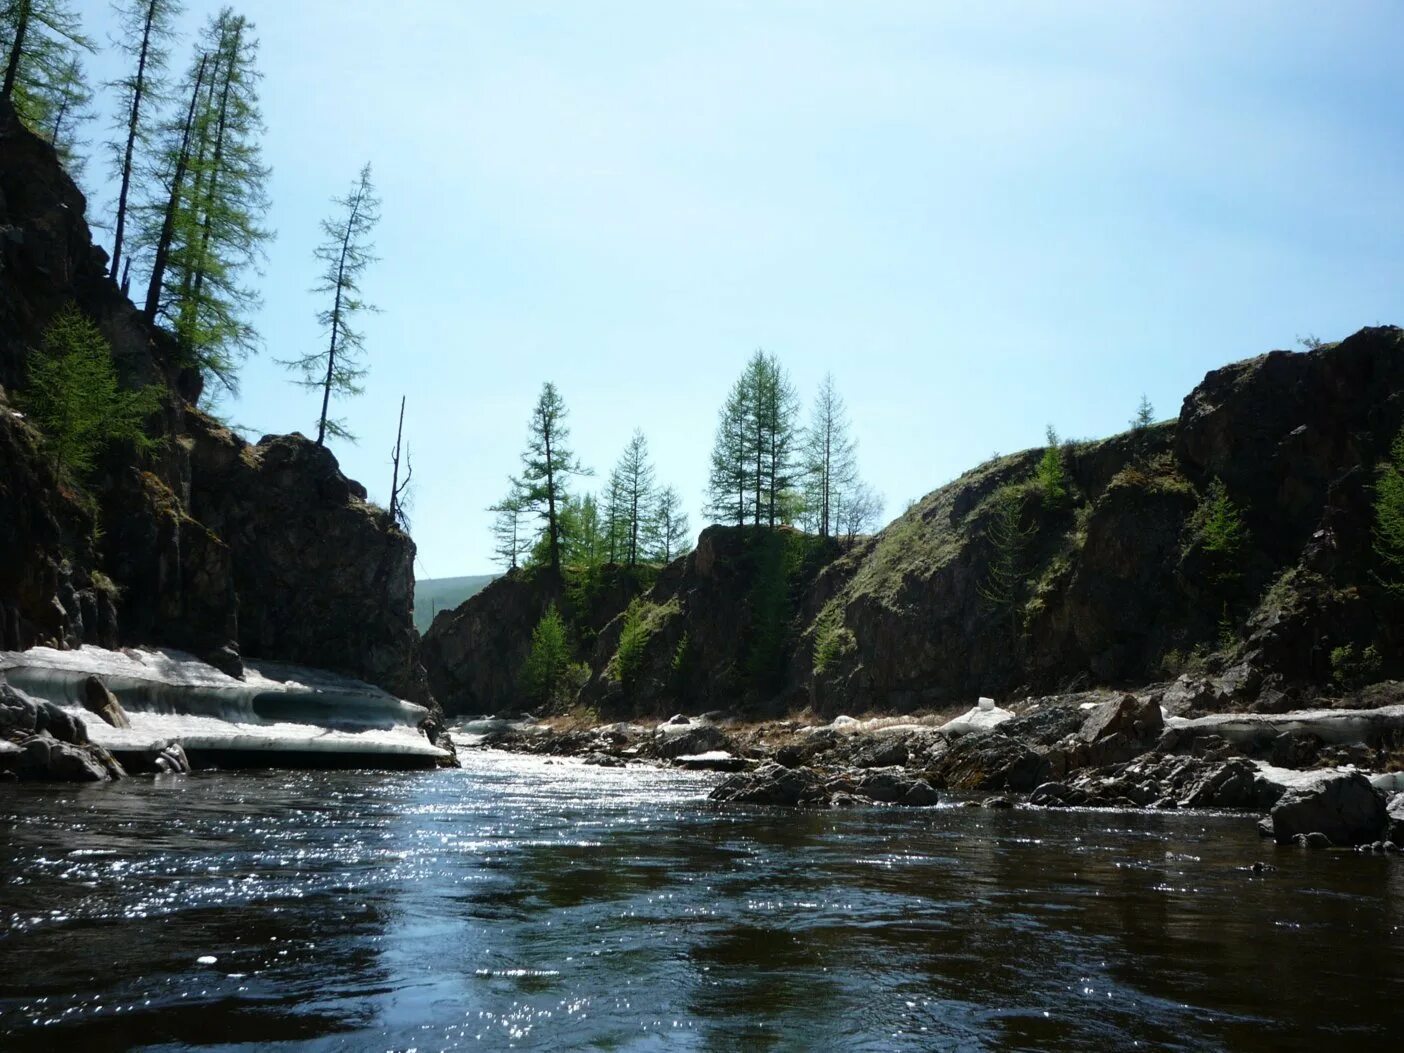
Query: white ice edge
[{"x": 170, "y": 695}]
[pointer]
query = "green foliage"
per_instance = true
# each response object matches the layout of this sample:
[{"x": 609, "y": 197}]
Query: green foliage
[
  {"x": 40, "y": 45},
  {"x": 1194, "y": 662},
  {"x": 345, "y": 254},
  {"x": 634, "y": 493},
  {"x": 1145, "y": 415},
  {"x": 548, "y": 676},
  {"x": 75, "y": 399},
  {"x": 1217, "y": 529},
  {"x": 682, "y": 658},
  {"x": 1050, "y": 475},
  {"x": 547, "y": 465},
  {"x": 832, "y": 639},
  {"x": 754, "y": 456},
  {"x": 1007, "y": 570},
  {"x": 778, "y": 559},
  {"x": 1389, "y": 518},
  {"x": 633, "y": 644},
  {"x": 206, "y": 234},
  {"x": 1352, "y": 668}
]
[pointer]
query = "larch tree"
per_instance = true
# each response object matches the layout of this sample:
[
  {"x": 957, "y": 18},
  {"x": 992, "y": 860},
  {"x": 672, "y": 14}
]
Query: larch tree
[
  {"x": 70, "y": 106},
  {"x": 1145, "y": 415},
  {"x": 615, "y": 519},
  {"x": 829, "y": 461},
  {"x": 346, "y": 253},
  {"x": 636, "y": 495},
  {"x": 146, "y": 28},
  {"x": 511, "y": 539},
  {"x": 547, "y": 465},
  {"x": 728, "y": 483},
  {"x": 669, "y": 534},
  {"x": 39, "y": 40},
  {"x": 208, "y": 232}
]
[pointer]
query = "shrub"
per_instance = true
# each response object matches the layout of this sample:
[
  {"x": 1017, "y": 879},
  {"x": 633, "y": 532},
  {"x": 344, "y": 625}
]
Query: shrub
[
  {"x": 74, "y": 397},
  {"x": 832, "y": 639},
  {"x": 1351, "y": 669},
  {"x": 1217, "y": 529}
]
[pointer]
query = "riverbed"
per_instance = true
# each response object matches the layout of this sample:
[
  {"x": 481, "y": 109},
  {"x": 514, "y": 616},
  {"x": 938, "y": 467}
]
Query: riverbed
[{"x": 540, "y": 903}]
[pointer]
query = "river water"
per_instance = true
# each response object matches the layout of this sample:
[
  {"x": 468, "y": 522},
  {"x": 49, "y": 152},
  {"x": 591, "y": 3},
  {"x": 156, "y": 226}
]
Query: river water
[{"x": 541, "y": 904}]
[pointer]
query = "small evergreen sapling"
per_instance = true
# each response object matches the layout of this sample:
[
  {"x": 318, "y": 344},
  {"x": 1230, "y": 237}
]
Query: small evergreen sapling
[{"x": 75, "y": 399}]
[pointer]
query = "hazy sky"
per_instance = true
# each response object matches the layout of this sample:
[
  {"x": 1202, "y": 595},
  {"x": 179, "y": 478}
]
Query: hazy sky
[{"x": 981, "y": 218}]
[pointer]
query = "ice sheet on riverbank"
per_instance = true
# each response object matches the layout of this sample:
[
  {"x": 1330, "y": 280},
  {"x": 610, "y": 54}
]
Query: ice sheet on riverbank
[{"x": 277, "y": 708}]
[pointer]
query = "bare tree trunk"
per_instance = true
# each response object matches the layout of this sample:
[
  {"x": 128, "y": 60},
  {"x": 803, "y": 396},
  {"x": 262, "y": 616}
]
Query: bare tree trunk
[
  {"x": 163, "y": 245},
  {"x": 16, "y": 51},
  {"x": 336, "y": 313},
  {"x": 132, "y": 122}
]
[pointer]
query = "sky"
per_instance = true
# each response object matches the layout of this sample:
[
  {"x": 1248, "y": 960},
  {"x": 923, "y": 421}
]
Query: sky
[{"x": 981, "y": 218}]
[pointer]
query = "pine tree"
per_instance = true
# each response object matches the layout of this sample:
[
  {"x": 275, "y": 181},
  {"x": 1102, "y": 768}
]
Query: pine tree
[
  {"x": 830, "y": 468},
  {"x": 636, "y": 495},
  {"x": 73, "y": 395},
  {"x": 669, "y": 535},
  {"x": 146, "y": 29},
  {"x": 346, "y": 253},
  {"x": 207, "y": 233},
  {"x": 510, "y": 536},
  {"x": 547, "y": 464}
]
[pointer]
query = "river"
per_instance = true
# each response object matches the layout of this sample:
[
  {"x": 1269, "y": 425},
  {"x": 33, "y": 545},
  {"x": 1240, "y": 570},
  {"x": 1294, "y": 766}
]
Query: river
[{"x": 538, "y": 904}]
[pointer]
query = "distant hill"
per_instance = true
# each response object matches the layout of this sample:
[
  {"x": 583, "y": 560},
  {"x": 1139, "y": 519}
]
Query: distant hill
[{"x": 443, "y": 594}]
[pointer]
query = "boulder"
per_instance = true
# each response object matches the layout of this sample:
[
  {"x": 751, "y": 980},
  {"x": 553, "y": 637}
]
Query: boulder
[
  {"x": 1341, "y": 805},
  {"x": 989, "y": 760},
  {"x": 773, "y": 783},
  {"x": 690, "y": 739},
  {"x": 894, "y": 786},
  {"x": 45, "y": 743},
  {"x": 1122, "y": 728},
  {"x": 99, "y": 700}
]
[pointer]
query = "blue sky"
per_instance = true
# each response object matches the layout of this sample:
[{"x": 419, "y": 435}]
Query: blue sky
[{"x": 981, "y": 218}]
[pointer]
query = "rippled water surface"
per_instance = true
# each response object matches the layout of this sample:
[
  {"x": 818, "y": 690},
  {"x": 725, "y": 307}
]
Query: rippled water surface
[{"x": 546, "y": 905}]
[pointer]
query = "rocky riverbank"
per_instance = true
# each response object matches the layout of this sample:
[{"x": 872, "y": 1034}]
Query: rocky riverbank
[{"x": 1322, "y": 778}]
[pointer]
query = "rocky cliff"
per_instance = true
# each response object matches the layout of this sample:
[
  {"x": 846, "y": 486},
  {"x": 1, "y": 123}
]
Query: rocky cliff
[
  {"x": 1121, "y": 580},
  {"x": 211, "y": 544}
]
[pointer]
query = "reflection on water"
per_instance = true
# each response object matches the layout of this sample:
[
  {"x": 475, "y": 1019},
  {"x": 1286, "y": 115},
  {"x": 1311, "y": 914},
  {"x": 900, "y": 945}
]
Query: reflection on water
[{"x": 548, "y": 905}]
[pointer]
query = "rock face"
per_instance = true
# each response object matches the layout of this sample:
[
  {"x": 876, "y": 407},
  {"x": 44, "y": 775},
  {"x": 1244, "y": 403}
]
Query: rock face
[
  {"x": 1343, "y": 807},
  {"x": 209, "y": 544},
  {"x": 39, "y": 741}
]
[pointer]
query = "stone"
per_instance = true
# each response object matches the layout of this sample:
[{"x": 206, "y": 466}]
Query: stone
[
  {"x": 1122, "y": 728},
  {"x": 690, "y": 740},
  {"x": 99, "y": 700},
  {"x": 1395, "y": 811},
  {"x": 990, "y": 760},
  {"x": 1342, "y": 806},
  {"x": 772, "y": 784},
  {"x": 997, "y": 802}
]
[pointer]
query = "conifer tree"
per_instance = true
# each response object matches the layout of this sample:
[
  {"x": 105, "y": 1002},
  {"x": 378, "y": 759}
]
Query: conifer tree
[
  {"x": 74, "y": 396},
  {"x": 1145, "y": 415},
  {"x": 587, "y": 540},
  {"x": 146, "y": 29},
  {"x": 755, "y": 446},
  {"x": 510, "y": 537},
  {"x": 547, "y": 465},
  {"x": 669, "y": 535},
  {"x": 1052, "y": 477},
  {"x": 210, "y": 229},
  {"x": 399, "y": 490},
  {"x": 615, "y": 520},
  {"x": 40, "y": 39},
  {"x": 728, "y": 484},
  {"x": 1006, "y": 570},
  {"x": 70, "y": 106},
  {"x": 636, "y": 495},
  {"x": 1389, "y": 518},
  {"x": 829, "y": 462},
  {"x": 346, "y": 253}
]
